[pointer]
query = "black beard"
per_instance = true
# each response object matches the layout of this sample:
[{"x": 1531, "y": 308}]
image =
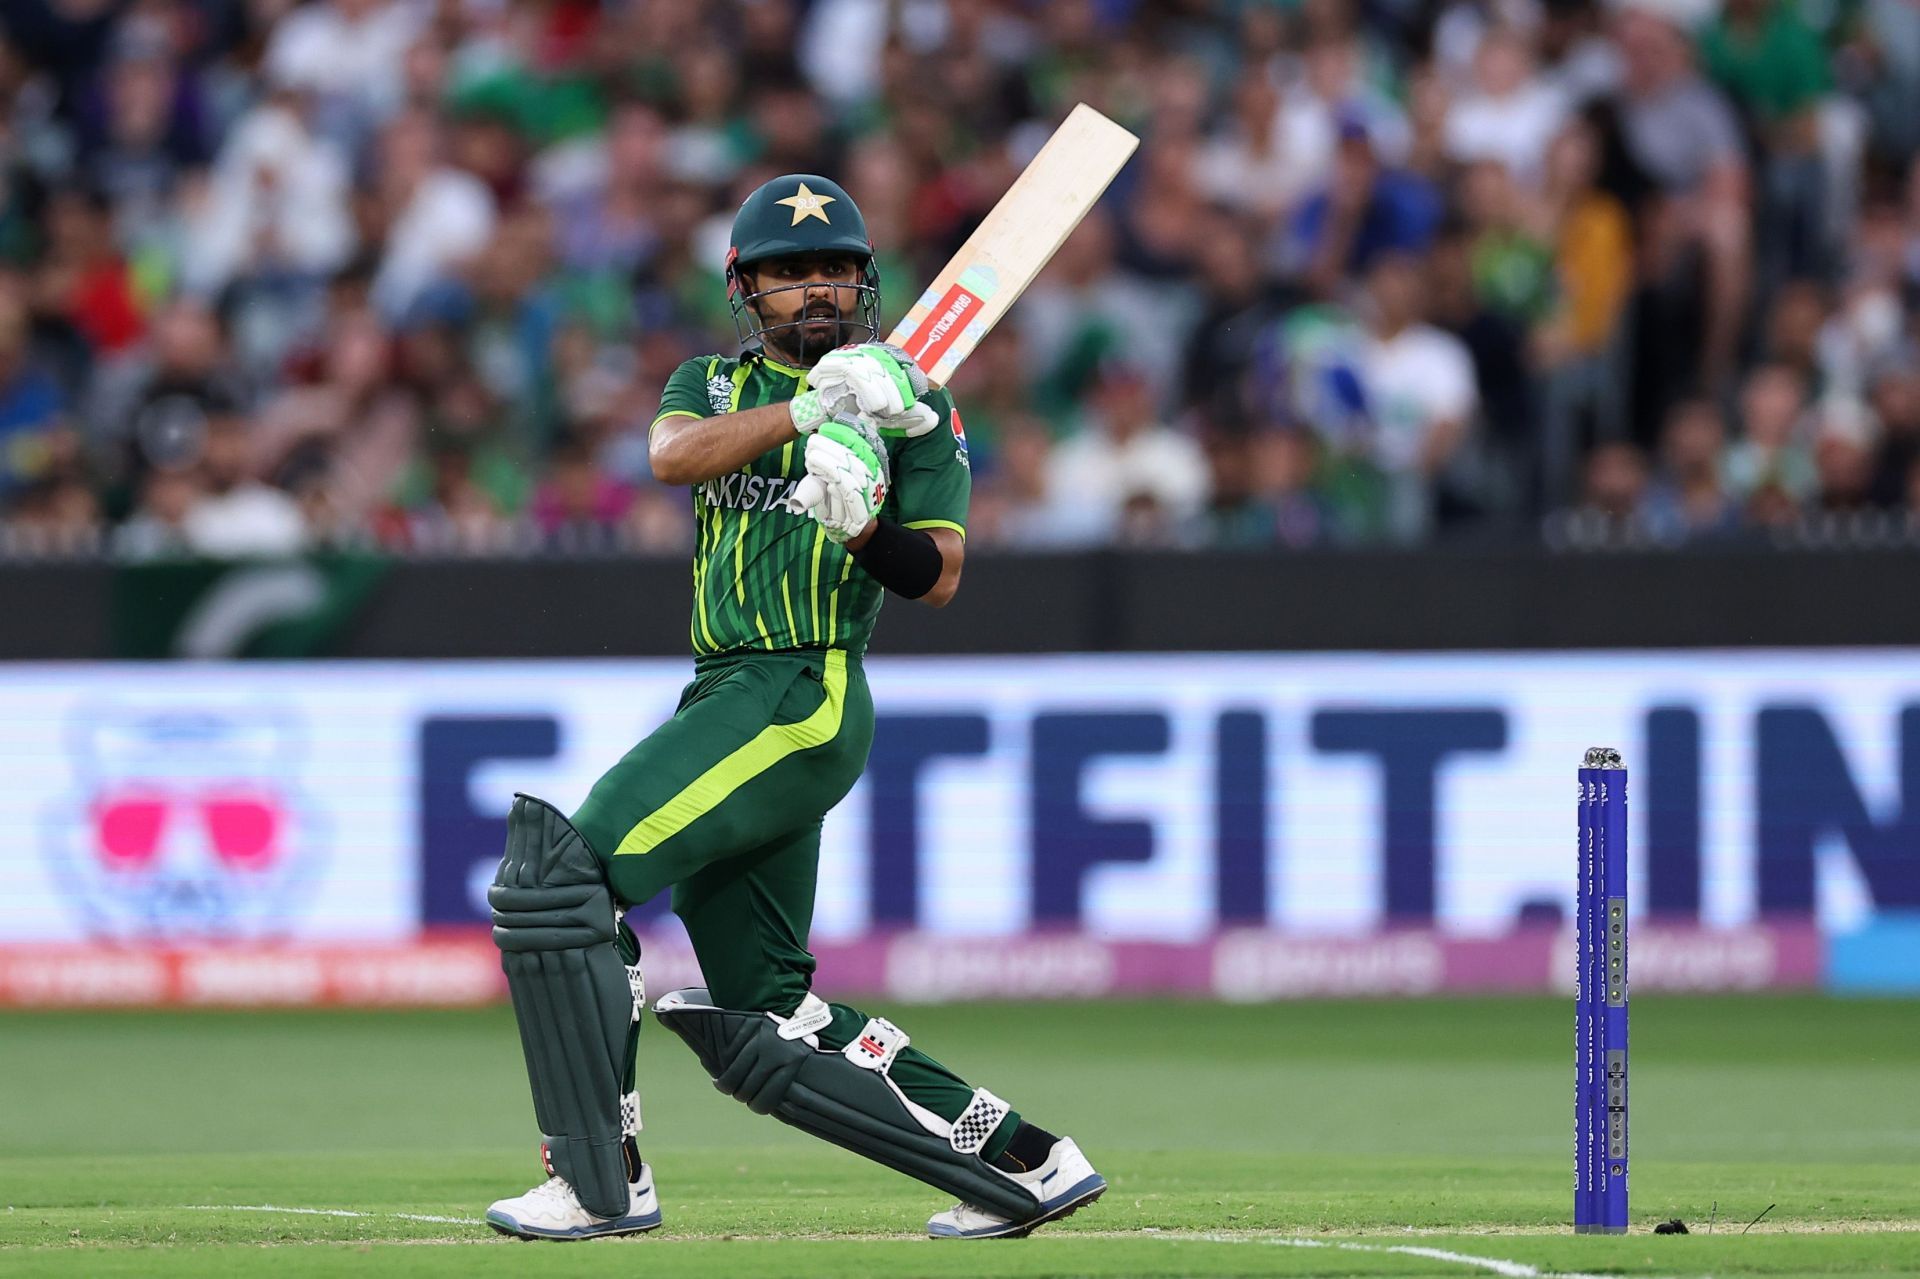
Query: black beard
[{"x": 803, "y": 348}]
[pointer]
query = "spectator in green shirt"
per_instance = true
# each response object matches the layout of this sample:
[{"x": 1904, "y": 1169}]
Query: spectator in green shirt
[{"x": 1771, "y": 63}]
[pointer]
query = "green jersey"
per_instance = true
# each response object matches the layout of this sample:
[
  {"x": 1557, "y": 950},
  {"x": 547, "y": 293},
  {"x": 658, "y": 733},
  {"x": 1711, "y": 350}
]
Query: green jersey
[{"x": 765, "y": 579}]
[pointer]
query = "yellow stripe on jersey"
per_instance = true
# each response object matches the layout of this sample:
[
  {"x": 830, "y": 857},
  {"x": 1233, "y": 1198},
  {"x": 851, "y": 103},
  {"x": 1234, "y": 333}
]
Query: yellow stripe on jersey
[
  {"x": 938, "y": 524},
  {"x": 786, "y": 601},
  {"x": 709, "y": 522},
  {"x": 813, "y": 591},
  {"x": 833, "y": 600},
  {"x": 767, "y": 748},
  {"x": 740, "y": 374},
  {"x": 670, "y": 413},
  {"x": 740, "y": 561}
]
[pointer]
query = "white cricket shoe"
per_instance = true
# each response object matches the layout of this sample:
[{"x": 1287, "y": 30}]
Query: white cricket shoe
[
  {"x": 1064, "y": 1184},
  {"x": 553, "y": 1211}
]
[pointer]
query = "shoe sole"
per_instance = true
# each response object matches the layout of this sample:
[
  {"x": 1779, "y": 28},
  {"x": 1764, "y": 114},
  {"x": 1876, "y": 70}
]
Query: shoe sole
[
  {"x": 626, "y": 1226},
  {"x": 1076, "y": 1199}
]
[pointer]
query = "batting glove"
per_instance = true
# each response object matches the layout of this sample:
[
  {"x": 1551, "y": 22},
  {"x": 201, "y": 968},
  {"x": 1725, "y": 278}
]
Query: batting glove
[
  {"x": 871, "y": 377},
  {"x": 911, "y": 425},
  {"x": 845, "y": 482}
]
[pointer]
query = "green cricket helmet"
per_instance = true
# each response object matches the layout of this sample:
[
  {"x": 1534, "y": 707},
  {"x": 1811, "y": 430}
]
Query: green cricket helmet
[{"x": 802, "y": 213}]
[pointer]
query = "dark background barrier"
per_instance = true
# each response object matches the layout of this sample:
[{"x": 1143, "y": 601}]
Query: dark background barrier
[{"x": 1102, "y": 602}]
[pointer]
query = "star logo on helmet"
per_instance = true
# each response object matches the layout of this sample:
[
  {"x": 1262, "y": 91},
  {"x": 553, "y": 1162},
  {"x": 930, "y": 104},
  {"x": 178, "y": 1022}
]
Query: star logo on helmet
[{"x": 805, "y": 204}]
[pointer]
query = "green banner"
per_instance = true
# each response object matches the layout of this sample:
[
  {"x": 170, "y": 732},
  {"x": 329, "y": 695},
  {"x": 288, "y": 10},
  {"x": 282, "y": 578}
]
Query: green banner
[{"x": 200, "y": 608}]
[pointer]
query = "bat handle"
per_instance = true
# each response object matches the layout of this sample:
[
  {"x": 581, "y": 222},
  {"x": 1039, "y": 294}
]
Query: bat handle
[{"x": 806, "y": 495}]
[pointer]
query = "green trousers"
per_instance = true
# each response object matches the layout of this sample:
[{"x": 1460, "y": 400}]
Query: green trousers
[{"x": 723, "y": 804}]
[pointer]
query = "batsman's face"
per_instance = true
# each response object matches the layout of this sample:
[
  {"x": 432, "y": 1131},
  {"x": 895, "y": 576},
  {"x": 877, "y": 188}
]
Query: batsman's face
[{"x": 807, "y": 301}]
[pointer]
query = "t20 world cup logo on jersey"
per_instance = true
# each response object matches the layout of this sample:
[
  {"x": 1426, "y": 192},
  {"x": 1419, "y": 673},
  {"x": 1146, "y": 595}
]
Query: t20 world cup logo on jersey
[{"x": 184, "y": 824}]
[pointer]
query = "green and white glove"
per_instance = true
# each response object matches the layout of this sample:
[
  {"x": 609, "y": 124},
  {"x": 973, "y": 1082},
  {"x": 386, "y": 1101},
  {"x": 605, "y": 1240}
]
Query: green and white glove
[
  {"x": 810, "y": 413},
  {"x": 873, "y": 378},
  {"x": 845, "y": 483},
  {"x": 911, "y": 425}
]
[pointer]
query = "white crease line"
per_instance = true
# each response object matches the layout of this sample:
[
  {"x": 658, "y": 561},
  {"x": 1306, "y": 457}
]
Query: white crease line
[
  {"x": 339, "y": 1212},
  {"x": 1507, "y": 1269},
  {"x": 1510, "y": 1269}
]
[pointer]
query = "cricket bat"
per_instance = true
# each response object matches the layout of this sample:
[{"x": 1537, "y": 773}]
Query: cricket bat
[{"x": 1007, "y": 250}]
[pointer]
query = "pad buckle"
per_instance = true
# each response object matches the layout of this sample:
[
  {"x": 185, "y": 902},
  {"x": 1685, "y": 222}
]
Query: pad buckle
[
  {"x": 813, "y": 1014},
  {"x": 630, "y": 1124}
]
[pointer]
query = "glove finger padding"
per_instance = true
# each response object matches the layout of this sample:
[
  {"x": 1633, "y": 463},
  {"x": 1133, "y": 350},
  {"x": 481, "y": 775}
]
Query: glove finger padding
[
  {"x": 915, "y": 376},
  {"x": 875, "y": 379},
  {"x": 919, "y": 419},
  {"x": 852, "y": 482}
]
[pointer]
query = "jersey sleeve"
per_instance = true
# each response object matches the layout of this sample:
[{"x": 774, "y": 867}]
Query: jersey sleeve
[
  {"x": 686, "y": 391},
  {"x": 931, "y": 478}
]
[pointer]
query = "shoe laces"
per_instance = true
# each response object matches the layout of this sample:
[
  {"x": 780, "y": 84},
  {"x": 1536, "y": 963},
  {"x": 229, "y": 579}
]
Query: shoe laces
[{"x": 555, "y": 1190}]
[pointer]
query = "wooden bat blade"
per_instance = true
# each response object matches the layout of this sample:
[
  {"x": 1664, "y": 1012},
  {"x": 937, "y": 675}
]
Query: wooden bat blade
[{"x": 1013, "y": 242}]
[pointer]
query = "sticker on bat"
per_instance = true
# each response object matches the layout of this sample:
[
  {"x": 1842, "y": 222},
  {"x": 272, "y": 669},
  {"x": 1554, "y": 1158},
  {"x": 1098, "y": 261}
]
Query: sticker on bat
[{"x": 947, "y": 321}]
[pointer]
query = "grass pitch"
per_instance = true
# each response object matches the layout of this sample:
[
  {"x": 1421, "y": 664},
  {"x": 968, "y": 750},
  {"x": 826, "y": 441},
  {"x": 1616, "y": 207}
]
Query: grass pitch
[{"x": 1389, "y": 1138}]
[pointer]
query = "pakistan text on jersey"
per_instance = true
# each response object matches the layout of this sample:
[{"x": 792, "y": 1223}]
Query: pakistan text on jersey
[{"x": 743, "y": 492}]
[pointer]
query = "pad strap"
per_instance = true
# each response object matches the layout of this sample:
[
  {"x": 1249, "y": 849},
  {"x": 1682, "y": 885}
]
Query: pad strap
[{"x": 978, "y": 1121}]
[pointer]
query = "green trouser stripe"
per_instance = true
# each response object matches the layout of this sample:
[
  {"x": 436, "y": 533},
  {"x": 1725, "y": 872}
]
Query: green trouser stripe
[{"x": 769, "y": 746}]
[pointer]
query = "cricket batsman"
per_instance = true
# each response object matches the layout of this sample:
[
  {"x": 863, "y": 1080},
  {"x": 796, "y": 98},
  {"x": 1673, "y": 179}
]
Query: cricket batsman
[{"x": 723, "y": 803}]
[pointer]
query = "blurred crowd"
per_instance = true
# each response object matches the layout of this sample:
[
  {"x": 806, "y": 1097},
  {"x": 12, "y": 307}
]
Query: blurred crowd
[{"x": 412, "y": 273}]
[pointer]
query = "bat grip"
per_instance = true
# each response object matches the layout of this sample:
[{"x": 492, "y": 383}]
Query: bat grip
[{"x": 806, "y": 495}]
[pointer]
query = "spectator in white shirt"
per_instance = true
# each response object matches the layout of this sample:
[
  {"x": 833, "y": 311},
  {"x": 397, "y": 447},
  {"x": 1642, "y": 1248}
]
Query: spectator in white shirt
[
  {"x": 1509, "y": 114},
  {"x": 277, "y": 203},
  {"x": 1420, "y": 390},
  {"x": 1246, "y": 166},
  {"x": 237, "y": 516},
  {"x": 349, "y": 55},
  {"x": 1332, "y": 92},
  {"x": 1126, "y": 464},
  {"x": 435, "y": 217},
  {"x": 1024, "y": 509}
]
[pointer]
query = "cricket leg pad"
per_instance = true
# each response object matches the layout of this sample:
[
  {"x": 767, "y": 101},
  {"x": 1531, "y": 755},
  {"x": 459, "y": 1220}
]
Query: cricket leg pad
[
  {"x": 777, "y": 1066},
  {"x": 577, "y": 999}
]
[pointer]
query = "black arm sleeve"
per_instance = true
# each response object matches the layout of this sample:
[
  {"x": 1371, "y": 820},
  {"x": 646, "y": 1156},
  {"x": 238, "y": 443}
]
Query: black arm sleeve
[{"x": 904, "y": 560}]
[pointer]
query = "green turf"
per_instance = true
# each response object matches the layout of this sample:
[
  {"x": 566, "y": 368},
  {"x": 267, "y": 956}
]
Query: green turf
[{"x": 1234, "y": 1137}]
